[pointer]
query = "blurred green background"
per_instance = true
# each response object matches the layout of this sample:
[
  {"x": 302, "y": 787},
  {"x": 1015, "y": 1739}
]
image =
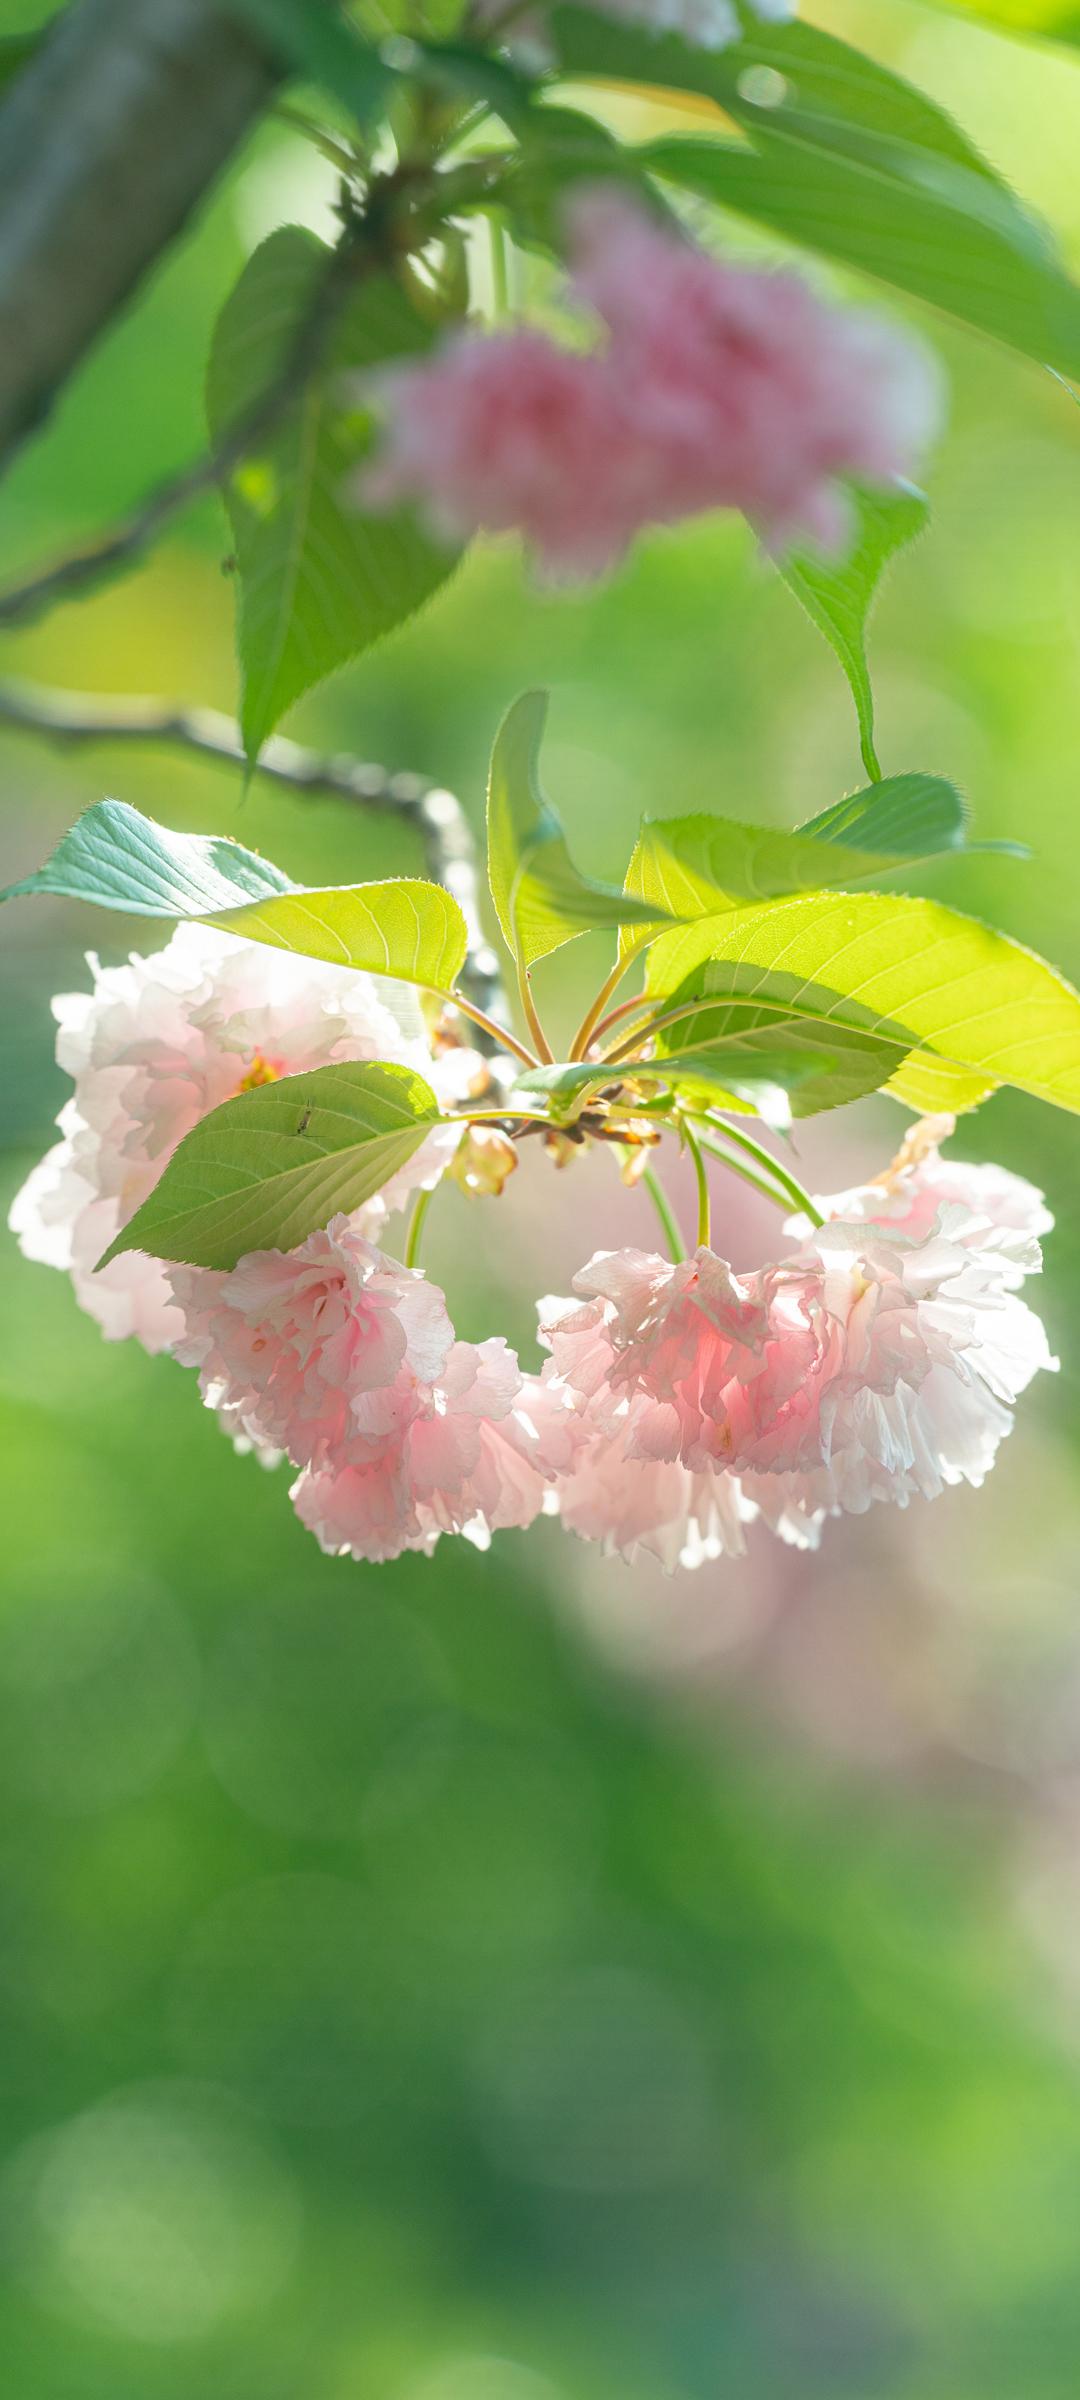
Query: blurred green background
[{"x": 516, "y": 1977}]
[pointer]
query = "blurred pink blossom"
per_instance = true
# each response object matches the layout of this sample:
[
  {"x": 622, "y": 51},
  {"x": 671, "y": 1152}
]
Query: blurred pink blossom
[{"x": 716, "y": 387}]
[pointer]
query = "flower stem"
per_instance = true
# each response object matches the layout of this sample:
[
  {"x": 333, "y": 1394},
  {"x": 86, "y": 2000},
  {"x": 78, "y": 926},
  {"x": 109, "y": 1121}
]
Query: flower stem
[
  {"x": 704, "y": 1222},
  {"x": 666, "y": 1214},
  {"x": 792, "y": 1190},
  {"x": 591, "y": 1021},
  {"x": 543, "y": 1047},
  {"x": 499, "y": 1033},
  {"x": 421, "y": 1205},
  {"x": 500, "y": 266}
]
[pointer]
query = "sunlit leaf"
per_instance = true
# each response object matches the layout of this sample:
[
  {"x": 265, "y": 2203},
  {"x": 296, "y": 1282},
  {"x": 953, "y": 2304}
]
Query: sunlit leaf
[
  {"x": 404, "y": 927},
  {"x": 319, "y": 580},
  {"x": 696, "y": 866},
  {"x": 120, "y": 859},
  {"x": 266, "y": 1169},
  {"x": 540, "y": 898},
  {"x": 963, "y": 1008},
  {"x": 839, "y": 595},
  {"x": 776, "y": 1071}
]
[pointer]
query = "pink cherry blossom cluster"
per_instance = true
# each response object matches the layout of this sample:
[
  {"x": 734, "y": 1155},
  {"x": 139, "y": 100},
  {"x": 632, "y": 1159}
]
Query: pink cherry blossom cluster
[
  {"x": 879, "y": 1359},
  {"x": 716, "y": 387},
  {"x": 156, "y": 1044}
]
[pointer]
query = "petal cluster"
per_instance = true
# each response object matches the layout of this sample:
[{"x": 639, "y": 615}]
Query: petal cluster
[
  {"x": 150, "y": 1049},
  {"x": 870, "y": 1364},
  {"x": 715, "y": 387},
  {"x": 704, "y": 24},
  {"x": 347, "y": 1363}
]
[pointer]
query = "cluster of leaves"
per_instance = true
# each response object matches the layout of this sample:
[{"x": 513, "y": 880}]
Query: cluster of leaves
[
  {"x": 775, "y": 983},
  {"x": 794, "y": 130}
]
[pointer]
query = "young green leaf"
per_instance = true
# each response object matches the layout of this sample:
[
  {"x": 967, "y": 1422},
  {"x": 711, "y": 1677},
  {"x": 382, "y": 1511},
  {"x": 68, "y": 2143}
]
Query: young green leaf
[
  {"x": 405, "y": 927},
  {"x": 962, "y": 1007},
  {"x": 839, "y": 594},
  {"x": 697, "y": 866},
  {"x": 266, "y": 1169},
  {"x": 120, "y": 859},
  {"x": 540, "y": 898},
  {"x": 776, "y": 1071},
  {"x": 319, "y": 579}
]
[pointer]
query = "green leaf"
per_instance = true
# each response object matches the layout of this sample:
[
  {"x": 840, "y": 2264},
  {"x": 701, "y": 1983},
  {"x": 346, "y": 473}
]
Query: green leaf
[
  {"x": 540, "y": 898},
  {"x": 844, "y": 91},
  {"x": 697, "y": 866},
  {"x": 119, "y": 859},
  {"x": 326, "y": 49},
  {"x": 946, "y": 238},
  {"x": 319, "y": 580},
  {"x": 775, "y": 1072},
  {"x": 838, "y": 595},
  {"x": 266, "y": 1169},
  {"x": 404, "y": 927},
  {"x": 961, "y": 1008}
]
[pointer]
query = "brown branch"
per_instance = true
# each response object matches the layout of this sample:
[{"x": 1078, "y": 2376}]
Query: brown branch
[
  {"x": 74, "y": 719},
  {"x": 69, "y": 578},
  {"x": 109, "y": 138}
]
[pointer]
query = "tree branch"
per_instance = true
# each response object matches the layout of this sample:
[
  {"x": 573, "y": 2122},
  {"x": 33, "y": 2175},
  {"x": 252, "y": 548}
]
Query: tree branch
[
  {"x": 69, "y": 578},
  {"x": 74, "y": 719},
  {"x": 109, "y": 137}
]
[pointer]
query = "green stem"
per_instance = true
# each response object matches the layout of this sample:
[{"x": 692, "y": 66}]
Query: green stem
[
  {"x": 499, "y": 1033},
  {"x": 672, "y": 1235},
  {"x": 544, "y": 1050},
  {"x": 764, "y": 1158},
  {"x": 701, "y": 1174},
  {"x": 590, "y": 1023},
  {"x": 500, "y": 265},
  {"x": 790, "y": 1191},
  {"x": 421, "y": 1206}
]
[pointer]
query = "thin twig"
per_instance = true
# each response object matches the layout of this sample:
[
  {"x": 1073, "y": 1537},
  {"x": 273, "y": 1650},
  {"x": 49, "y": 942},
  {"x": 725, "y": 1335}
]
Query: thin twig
[
  {"x": 73, "y": 719},
  {"x": 68, "y": 578}
]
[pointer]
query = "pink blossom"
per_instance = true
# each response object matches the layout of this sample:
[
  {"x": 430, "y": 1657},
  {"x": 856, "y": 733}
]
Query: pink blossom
[
  {"x": 151, "y": 1048},
  {"x": 464, "y": 1460},
  {"x": 716, "y": 387},
  {"x": 507, "y": 432},
  {"x": 303, "y": 1351},
  {"x": 919, "y": 1181},
  {"x": 867, "y": 1365},
  {"x": 749, "y": 390}
]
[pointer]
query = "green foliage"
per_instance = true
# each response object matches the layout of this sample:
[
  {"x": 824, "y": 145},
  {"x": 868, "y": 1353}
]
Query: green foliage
[
  {"x": 406, "y": 927},
  {"x": 844, "y": 92},
  {"x": 947, "y": 239},
  {"x": 957, "y": 1007},
  {"x": 326, "y": 49},
  {"x": 266, "y": 1169},
  {"x": 540, "y": 898},
  {"x": 319, "y": 580},
  {"x": 775, "y": 1072},
  {"x": 119, "y": 859},
  {"x": 839, "y": 594},
  {"x": 697, "y": 866}
]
